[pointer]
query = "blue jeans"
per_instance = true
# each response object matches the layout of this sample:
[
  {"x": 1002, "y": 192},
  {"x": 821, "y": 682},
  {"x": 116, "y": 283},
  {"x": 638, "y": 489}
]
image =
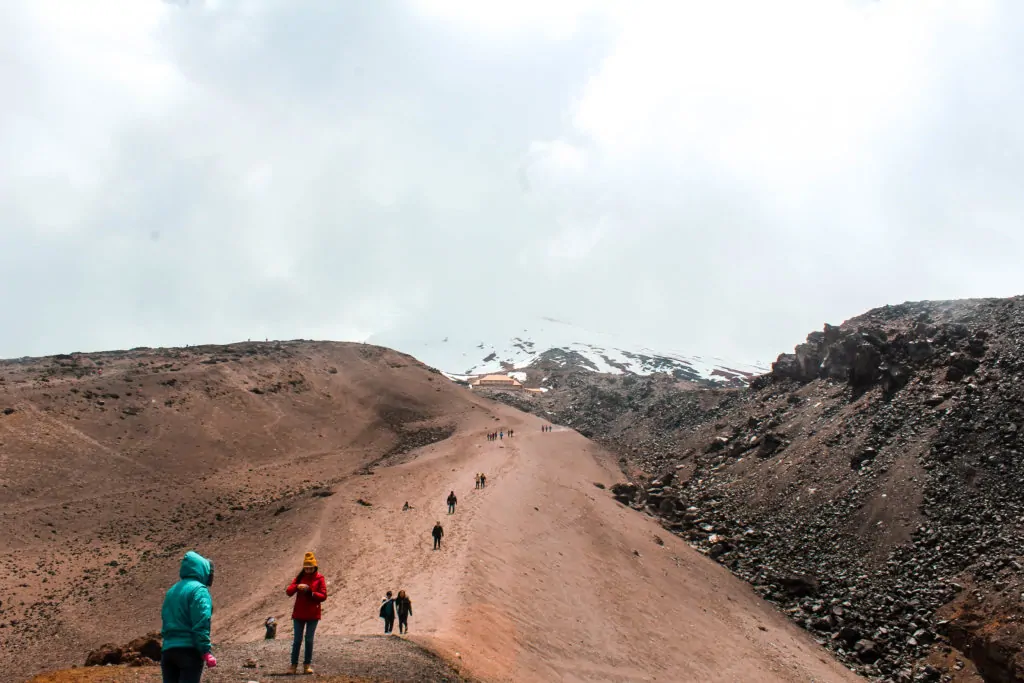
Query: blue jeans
[
  {"x": 310, "y": 628},
  {"x": 182, "y": 665}
]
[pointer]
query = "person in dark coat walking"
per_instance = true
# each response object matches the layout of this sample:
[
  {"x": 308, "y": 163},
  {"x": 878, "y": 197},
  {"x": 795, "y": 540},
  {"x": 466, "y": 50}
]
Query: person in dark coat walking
[
  {"x": 387, "y": 613},
  {"x": 437, "y": 533},
  {"x": 452, "y": 500},
  {"x": 404, "y": 606}
]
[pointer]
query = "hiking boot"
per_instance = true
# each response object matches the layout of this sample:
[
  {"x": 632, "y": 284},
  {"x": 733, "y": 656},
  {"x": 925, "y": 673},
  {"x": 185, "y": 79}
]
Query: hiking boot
[
  {"x": 307, "y": 668},
  {"x": 293, "y": 669}
]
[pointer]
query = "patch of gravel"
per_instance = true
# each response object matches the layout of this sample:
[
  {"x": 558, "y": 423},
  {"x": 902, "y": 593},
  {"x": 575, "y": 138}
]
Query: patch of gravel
[
  {"x": 337, "y": 659},
  {"x": 371, "y": 658}
]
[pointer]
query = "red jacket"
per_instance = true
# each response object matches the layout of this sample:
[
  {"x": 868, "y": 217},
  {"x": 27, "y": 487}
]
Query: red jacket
[{"x": 307, "y": 604}]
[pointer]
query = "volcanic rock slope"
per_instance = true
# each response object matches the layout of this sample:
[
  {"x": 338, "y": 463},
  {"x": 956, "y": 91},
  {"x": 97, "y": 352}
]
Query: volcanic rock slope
[
  {"x": 872, "y": 484},
  {"x": 255, "y": 453}
]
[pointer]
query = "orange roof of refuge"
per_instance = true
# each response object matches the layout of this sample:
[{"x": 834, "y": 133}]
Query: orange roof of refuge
[{"x": 498, "y": 378}]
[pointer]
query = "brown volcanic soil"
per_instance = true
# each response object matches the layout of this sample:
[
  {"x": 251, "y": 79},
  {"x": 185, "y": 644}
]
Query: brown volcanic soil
[{"x": 542, "y": 577}]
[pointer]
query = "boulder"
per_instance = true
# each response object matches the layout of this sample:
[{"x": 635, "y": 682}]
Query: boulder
[
  {"x": 920, "y": 350},
  {"x": 865, "y": 456},
  {"x": 624, "y": 492},
  {"x": 864, "y": 366},
  {"x": 771, "y": 443},
  {"x": 798, "y": 585},
  {"x": 867, "y": 651},
  {"x": 148, "y": 646},
  {"x": 143, "y": 651},
  {"x": 108, "y": 653},
  {"x": 894, "y": 377}
]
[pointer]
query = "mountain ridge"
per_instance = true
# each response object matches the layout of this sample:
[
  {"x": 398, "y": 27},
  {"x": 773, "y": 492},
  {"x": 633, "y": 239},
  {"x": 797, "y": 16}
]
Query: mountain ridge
[{"x": 553, "y": 345}]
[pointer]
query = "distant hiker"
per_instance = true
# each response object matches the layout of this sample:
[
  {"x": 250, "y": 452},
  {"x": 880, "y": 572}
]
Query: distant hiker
[
  {"x": 437, "y": 533},
  {"x": 406, "y": 506},
  {"x": 186, "y": 616},
  {"x": 271, "y": 625},
  {"x": 387, "y": 613},
  {"x": 483, "y": 480},
  {"x": 452, "y": 500},
  {"x": 310, "y": 590},
  {"x": 404, "y": 606},
  {"x": 501, "y": 435},
  {"x": 511, "y": 433},
  {"x": 477, "y": 480}
]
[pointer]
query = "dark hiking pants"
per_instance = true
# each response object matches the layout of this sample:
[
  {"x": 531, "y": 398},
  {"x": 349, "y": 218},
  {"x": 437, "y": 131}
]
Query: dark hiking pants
[
  {"x": 437, "y": 542},
  {"x": 403, "y": 623},
  {"x": 389, "y": 624},
  {"x": 310, "y": 628},
  {"x": 182, "y": 665}
]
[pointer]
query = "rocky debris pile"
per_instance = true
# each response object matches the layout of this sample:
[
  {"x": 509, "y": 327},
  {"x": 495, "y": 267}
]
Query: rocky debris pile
[
  {"x": 870, "y": 355},
  {"x": 143, "y": 651},
  {"x": 869, "y": 481}
]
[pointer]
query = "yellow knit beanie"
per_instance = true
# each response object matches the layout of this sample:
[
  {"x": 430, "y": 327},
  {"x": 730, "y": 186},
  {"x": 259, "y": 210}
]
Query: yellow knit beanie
[{"x": 309, "y": 560}]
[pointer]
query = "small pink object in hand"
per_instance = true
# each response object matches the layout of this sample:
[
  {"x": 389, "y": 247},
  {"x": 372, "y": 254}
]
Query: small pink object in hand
[{"x": 210, "y": 660}]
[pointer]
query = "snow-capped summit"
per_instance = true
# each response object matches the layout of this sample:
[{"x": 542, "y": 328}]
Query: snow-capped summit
[{"x": 546, "y": 343}]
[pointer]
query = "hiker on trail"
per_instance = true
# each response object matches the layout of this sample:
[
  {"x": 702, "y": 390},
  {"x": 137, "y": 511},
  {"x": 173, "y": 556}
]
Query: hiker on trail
[
  {"x": 310, "y": 590},
  {"x": 437, "y": 533},
  {"x": 406, "y": 506},
  {"x": 387, "y": 613},
  {"x": 501, "y": 435},
  {"x": 186, "y": 616},
  {"x": 483, "y": 480},
  {"x": 404, "y": 606},
  {"x": 452, "y": 500},
  {"x": 478, "y": 480}
]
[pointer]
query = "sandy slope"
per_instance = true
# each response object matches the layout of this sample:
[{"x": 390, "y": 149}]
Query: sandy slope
[
  {"x": 543, "y": 577},
  {"x": 107, "y": 479}
]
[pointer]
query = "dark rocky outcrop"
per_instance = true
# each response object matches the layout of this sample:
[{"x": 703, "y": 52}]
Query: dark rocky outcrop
[
  {"x": 143, "y": 651},
  {"x": 881, "y": 463}
]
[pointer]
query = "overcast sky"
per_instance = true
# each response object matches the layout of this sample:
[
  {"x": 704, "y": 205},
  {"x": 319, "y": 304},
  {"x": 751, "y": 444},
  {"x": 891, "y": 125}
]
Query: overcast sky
[{"x": 721, "y": 177}]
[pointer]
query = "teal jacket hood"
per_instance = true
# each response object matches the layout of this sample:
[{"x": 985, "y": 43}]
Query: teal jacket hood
[
  {"x": 195, "y": 566},
  {"x": 187, "y": 608}
]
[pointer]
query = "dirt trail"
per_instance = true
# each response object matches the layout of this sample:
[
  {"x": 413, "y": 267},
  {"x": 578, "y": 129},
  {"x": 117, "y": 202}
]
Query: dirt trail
[{"x": 542, "y": 576}]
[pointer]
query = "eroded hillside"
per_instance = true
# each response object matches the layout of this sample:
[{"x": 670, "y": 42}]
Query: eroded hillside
[{"x": 112, "y": 464}]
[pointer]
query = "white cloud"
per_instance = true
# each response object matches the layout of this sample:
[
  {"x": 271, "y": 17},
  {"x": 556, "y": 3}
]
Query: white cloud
[
  {"x": 554, "y": 20},
  {"x": 714, "y": 177}
]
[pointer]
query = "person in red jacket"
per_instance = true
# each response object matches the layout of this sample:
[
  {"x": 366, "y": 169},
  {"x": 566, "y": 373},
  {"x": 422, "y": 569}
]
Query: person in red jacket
[{"x": 310, "y": 590}]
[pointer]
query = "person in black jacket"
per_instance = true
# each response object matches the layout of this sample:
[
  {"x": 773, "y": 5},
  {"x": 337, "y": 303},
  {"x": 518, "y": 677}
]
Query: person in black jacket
[
  {"x": 387, "y": 613},
  {"x": 437, "y": 533},
  {"x": 452, "y": 500},
  {"x": 404, "y": 606}
]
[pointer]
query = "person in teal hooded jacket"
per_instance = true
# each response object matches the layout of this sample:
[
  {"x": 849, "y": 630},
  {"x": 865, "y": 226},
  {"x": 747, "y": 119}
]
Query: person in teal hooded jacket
[{"x": 186, "y": 622}]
